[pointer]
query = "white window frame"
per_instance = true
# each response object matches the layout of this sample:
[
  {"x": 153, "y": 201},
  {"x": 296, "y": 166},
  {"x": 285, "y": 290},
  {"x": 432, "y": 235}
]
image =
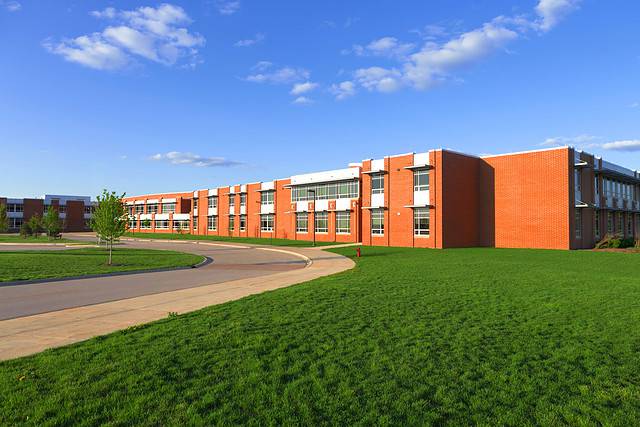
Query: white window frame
[
  {"x": 243, "y": 199},
  {"x": 302, "y": 218},
  {"x": 377, "y": 215},
  {"x": 267, "y": 222},
  {"x": 379, "y": 187},
  {"x": 169, "y": 207},
  {"x": 212, "y": 219},
  {"x": 243, "y": 223},
  {"x": 417, "y": 174},
  {"x": 162, "y": 224},
  {"x": 342, "y": 217},
  {"x": 267, "y": 197},
  {"x": 212, "y": 202},
  {"x": 321, "y": 222},
  {"x": 419, "y": 215}
]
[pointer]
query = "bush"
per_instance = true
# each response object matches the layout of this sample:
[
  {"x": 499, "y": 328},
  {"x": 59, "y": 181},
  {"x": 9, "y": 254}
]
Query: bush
[
  {"x": 24, "y": 230},
  {"x": 627, "y": 243},
  {"x": 617, "y": 242}
]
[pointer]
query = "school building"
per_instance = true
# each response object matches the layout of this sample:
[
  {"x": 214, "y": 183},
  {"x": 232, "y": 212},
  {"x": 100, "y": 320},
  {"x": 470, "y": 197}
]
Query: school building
[
  {"x": 558, "y": 198},
  {"x": 75, "y": 211}
]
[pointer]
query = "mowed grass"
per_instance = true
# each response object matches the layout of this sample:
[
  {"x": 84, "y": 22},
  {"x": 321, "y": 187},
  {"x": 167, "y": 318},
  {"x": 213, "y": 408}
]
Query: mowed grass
[
  {"x": 247, "y": 240},
  {"x": 49, "y": 264},
  {"x": 409, "y": 337},
  {"x": 16, "y": 238}
]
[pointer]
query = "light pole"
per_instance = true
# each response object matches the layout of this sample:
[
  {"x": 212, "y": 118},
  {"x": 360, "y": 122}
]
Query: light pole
[{"x": 314, "y": 215}]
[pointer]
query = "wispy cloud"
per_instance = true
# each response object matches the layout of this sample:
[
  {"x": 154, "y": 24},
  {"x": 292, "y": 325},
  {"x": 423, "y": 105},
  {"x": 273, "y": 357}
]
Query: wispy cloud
[
  {"x": 227, "y": 7},
  {"x": 190, "y": 159},
  {"x": 442, "y": 54},
  {"x": 265, "y": 72},
  {"x": 300, "y": 88},
  {"x": 343, "y": 90},
  {"x": 11, "y": 6},
  {"x": 634, "y": 105},
  {"x": 157, "y": 34},
  {"x": 302, "y": 100},
  {"x": 259, "y": 38},
  {"x": 581, "y": 140},
  {"x": 624, "y": 145}
]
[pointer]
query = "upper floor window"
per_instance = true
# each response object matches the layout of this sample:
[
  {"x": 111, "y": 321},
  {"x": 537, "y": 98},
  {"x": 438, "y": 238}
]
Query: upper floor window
[
  {"x": 169, "y": 207},
  {"x": 266, "y": 197},
  {"x": 578, "y": 179},
  {"x": 139, "y": 209},
  {"x": 377, "y": 183},
  {"x": 152, "y": 208},
  {"x": 15, "y": 207},
  {"x": 421, "y": 180},
  {"x": 243, "y": 199},
  {"x": 326, "y": 191},
  {"x": 232, "y": 200},
  {"x": 195, "y": 204},
  {"x": 88, "y": 209},
  {"x": 212, "y": 202}
]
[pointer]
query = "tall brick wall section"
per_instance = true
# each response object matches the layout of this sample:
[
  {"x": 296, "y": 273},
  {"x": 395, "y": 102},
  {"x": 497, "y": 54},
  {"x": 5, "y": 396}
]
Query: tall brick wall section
[
  {"x": 32, "y": 207},
  {"x": 74, "y": 216},
  {"x": 531, "y": 199}
]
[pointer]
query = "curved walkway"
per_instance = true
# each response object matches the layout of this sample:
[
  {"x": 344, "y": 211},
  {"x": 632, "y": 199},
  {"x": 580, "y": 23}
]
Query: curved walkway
[{"x": 259, "y": 270}]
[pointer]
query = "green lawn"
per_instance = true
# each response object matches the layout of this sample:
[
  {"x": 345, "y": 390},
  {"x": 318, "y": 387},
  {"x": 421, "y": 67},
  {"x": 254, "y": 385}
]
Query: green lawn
[
  {"x": 16, "y": 238},
  {"x": 47, "y": 264},
  {"x": 248, "y": 240},
  {"x": 409, "y": 337}
]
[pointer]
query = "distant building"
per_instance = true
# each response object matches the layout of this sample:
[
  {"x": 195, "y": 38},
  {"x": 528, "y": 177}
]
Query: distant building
[{"x": 75, "y": 211}]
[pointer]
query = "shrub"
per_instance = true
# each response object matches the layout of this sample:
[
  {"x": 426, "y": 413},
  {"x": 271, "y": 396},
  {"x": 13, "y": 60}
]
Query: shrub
[
  {"x": 627, "y": 243},
  {"x": 35, "y": 225},
  {"x": 24, "y": 230}
]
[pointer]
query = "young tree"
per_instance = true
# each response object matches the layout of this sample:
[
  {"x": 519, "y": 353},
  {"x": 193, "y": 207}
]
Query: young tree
[
  {"x": 110, "y": 219},
  {"x": 35, "y": 225},
  {"x": 52, "y": 223},
  {"x": 4, "y": 219},
  {"x": 145, "y": 223}
]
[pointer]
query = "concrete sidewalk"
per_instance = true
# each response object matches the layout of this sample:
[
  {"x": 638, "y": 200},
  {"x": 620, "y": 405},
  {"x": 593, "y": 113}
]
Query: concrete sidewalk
[{"x": 27, "y": 335}]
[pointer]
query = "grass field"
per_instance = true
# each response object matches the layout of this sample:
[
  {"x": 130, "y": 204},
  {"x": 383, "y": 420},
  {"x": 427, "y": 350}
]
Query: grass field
[
  {"x": 247, "y": 240},
  {"x": 409, "y": 337},
  {"x": 46, "y": 264},
  {"x": 16, "y": 238}
]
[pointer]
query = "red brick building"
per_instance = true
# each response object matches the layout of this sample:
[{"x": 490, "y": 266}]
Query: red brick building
[
  {"x": 75, "y": 211},
  {"x": 557, "y": 199}
]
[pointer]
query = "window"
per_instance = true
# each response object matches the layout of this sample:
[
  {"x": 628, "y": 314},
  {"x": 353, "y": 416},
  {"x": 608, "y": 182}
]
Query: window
[
  {"x": 609, "y": 223},
  {"x": 130, "y": 208},
  {"x": 212, "y": 201},
  {"x": 195, "y": 222},
  {"x": 421, "y": 180},
  {"x": 578, "y": 224},
  {"x": 152, "y": 208},
  {"x": 266, "y": 197},
  {"x": 302, "y": 222},
  {"x": 133, "y": 224},
  {"x": 62, "y": 209},
  {"x": 145, "y": 224},
  {"x": 15, "y": 207},
  {"x": 596, "y": 226},
  {"x": 15, "y": 223},
  {"x": 343, "y": 222},
  {"x": 421, "y": 221},
  {"x": 88, "y": 210},
  {"x": 325, "y": 191},
  {"x": 377, "y": 222},
  {"x": 377, "y": 183},
  {"x": 243, "y": 222},
  {"x": 162, "y": 224},
  {"x": 232, "y": 201},
  {"x": 243, "y": 200},
  {"x": 169, "y": 207},
  {"x": 232, "y": 223},
  {"x": 629, "y": 225},
  {"x": 578, "y": 179},
  {"x": 212, "y": 223},
  {"x": 322, "y": 222},
  {"x": 195, "y": 204},
  {"x": 619, "y": 224},
  {"x": 181, "y": 224},
  {"x": 266, "y": 222}
]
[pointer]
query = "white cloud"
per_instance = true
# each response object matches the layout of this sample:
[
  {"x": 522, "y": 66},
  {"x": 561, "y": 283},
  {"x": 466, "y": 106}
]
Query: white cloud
[
  {"x": 300, "y": 88},
  {"x": 302, "y": 100},
  {"x": 284, "y": 75},
  {"x": 157, "y": 34},
  {"x": 378, "y": 78},
  {"x": 571, "y": 140},
  {"x": 227, "y": 7},
  {"x": 250, "y": 42},
  {"x": 343, "y": 90},
  {"x": 385, "y": 46},
  {"x": 634, "y": 105},
  {"x": 179, "y": 158},
  {"x": 551, "y": 12},
  {"x": 11, "y": 6},
  {"x": 625, "y": 145}
]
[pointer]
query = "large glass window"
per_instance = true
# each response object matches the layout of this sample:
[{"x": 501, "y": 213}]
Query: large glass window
[
  {"x": 169, "y": 207},
  {"x": 596, "y": 227},
  {"x": 578, "y": 224},
  {"x": 322, "y": 222},
  {"x": 325, "y": 191},
  {"x": 421, "y": 221},
  {"x": 377, "y": 222},
  {"x": 377, "y": 183},
  {"x": 343, "y": 222},
  {"x": 578, "y": 179},
  {"x": 243, "y": 199},
  {"x": 15, "y": 207},
  {"x": 195, "y": 222},
  {"x": 139, "y": 209},
  {"x": 232, "y": 223},
  {"x": 421, "y": 180},
  {"x": 133, "y": 224},
  {"x": 131, "y": 210},
  {"x": 266, "y": 197},
  {"x": 266, "y": 222},
  {"x": 302, "y": 222},
  {"x": 162, "y": 224},
  {"x": 212, "y": 201},
  {"x": 152, "y": 208},
  {"x": 212, "y": 223},
  {"x": 243, "y": 222},
  {"x": 232, "y": 200},
  {"x": 181, "y": 224}
]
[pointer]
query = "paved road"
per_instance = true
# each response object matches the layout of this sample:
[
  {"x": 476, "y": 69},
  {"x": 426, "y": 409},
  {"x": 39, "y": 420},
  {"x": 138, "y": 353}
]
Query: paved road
[{"x": 230, "y": 262}]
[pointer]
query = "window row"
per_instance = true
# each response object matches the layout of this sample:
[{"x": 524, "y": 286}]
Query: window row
[
  {"x": 421, "y": 224},
  {"x": 321, "y": 222},
  {"x": 15, "y": 207},
  {"x": 420, "y": 181},
  {"x": 619, "y": 189},
  {"x": 326, "y": 191}
]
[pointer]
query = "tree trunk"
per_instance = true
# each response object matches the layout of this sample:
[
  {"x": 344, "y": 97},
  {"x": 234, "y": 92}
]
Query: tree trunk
[{"x": 110, "y": 251}]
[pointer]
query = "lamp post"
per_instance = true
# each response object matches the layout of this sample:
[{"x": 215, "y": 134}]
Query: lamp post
[{"x": 314, "y": 215}]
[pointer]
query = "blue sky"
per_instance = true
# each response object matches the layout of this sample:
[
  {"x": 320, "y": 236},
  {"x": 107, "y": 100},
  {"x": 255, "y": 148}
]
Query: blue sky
[{"x": 144, "y": 97}]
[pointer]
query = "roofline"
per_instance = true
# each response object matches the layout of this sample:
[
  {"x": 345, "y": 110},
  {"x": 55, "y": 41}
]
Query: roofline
[{"x": 564, "y": 147}]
